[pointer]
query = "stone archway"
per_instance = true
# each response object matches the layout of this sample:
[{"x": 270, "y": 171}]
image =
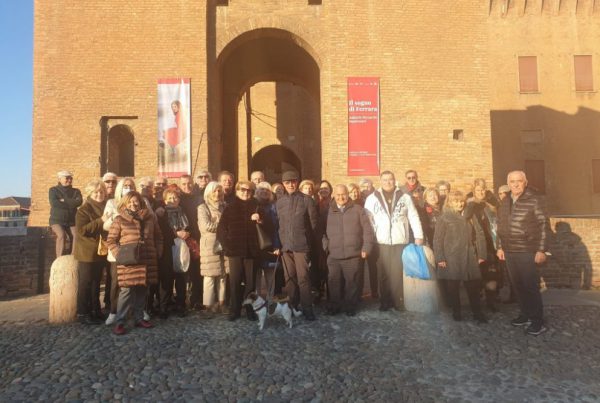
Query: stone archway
[{"x": 277, "y": 57}]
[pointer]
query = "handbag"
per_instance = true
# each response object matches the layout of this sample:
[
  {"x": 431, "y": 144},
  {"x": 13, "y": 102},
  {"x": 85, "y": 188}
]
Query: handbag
[
  {"x": 181, "y": 256},
  {"x": 264, "y": 240},
  {"x": 102, "y": 247},
  {"x": 194, "y": 248},
  {"x": 129, "y": 254}
]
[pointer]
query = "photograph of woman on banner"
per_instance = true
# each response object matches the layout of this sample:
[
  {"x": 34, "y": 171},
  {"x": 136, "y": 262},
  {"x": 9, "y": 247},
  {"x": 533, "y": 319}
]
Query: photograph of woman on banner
[
  {"x": 176, "y": 135},
  {"x": 174, "y": 127}
]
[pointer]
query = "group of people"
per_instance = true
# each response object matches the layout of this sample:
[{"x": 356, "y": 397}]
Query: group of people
[{"x": 306, "y": 241}]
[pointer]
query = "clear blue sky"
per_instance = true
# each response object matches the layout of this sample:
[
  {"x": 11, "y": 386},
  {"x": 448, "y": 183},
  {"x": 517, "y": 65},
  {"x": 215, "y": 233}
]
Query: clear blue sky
[{"x": 16, "y": 52}]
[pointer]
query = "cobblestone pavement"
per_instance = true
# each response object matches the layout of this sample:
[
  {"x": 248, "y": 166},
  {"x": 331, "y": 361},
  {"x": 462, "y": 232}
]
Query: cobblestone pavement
[{"x": 374, "y": 356}]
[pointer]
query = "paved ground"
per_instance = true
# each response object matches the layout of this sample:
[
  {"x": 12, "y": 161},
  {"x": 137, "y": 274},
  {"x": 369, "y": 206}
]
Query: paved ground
[{"x": 374, "y": 356}]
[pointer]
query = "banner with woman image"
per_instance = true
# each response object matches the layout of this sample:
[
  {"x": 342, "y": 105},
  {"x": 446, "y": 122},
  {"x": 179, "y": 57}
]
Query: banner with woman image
[{"x": 174, "y": 140}]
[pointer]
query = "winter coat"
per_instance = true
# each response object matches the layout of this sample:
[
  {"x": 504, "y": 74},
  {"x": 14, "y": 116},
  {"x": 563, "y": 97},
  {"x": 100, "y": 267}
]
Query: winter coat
[
  {"x": 125, "y": 230},
  {"x": 392, "y": 228},
  {"x": 88, "y": 223},
  {"x": 298, "y": 220},
  {"x": 111, "y": 210},
  {"x": 459, "y": 242},
  {"x": 64, "y": 201},
  {"x": 211, "y": 264},
  {"x": 429, "y": 217},
  {"x": 349, "y": 232},
  {"x": 189, "y": 205},
  {"x": 236, "y": 231},
  {"x": 523, "y": 225}
]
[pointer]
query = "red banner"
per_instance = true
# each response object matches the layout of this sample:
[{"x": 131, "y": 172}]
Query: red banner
[{"x": 363, "y": 126}]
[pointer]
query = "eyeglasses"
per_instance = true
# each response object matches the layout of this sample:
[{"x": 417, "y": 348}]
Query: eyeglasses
[
  {"x": 245, "y": 190},
  {"x": 203, "y": 176},
  {"x": 110, "y": 181},
  {"x": 411, "y": 177},
  {"x": 68, "y": 178}
]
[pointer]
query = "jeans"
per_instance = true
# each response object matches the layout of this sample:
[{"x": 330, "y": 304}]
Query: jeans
[
  {"x": 526, "y": 280},
  {"x": 131, "y": 297}
]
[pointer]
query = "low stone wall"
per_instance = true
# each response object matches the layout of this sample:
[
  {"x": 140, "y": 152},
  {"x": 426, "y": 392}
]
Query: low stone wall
[
  {"x": 575, "y": 248},
  {"x": 25, "y": 262}
]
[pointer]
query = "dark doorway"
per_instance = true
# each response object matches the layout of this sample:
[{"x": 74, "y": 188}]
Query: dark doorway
[
  {"x": 121, "y": 150},
  {"x": 274, "y": 160}
]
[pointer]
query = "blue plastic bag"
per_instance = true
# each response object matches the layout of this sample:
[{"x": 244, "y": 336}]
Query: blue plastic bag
[{"x": 415, "y": 262}]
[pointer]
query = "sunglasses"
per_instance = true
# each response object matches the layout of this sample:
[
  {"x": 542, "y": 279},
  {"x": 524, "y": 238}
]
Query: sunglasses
[
  {"x": 68, "y": 178},
  {"x": 110, "y": 181},
  {"x": 245, "y": 190},
  {"x": 203, "y": 176}
]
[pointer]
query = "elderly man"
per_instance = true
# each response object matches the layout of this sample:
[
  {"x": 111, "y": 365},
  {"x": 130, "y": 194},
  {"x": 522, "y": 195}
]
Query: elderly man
[
  {"x": 348, "y": 239},
  {"x": 297, "y": 223},
  {"x": 226, "y": 180},
  {"x": 443, "y": 188},
  {"x": 110, "y": 182},
  {"x": 64, "y": 201},
  {"x": 391, "y": 211},
  {"x": 257, "y": 177},
  {"x": 202, "y": 179},
  {"x": 189, "y": 204},
  {"x": 523, "y": 237},
  {"x": 412, "y": 186}
]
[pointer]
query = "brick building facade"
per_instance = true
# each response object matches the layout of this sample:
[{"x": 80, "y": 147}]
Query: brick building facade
[{"x": 268, "y": 78}]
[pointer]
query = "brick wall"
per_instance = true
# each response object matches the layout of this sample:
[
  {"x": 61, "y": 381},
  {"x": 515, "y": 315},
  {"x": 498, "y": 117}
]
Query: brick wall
[
  {"x": 20, "y": 261},
  {"x": 575, "y": 248}
]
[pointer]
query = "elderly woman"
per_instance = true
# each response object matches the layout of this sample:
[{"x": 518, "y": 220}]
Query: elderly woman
[
  {"x": 481, "y": 206},
  {"x": 64, "y": 200},
  {"x": 431, "y": 212},
  {"x": 278, "y": 190},
  {"x": 237, "y": 233},
  {"x": 213, "y": 265},
  {"x": 174, "y": 224},
  {"x": 134, "y": 223},
  {"x": 111, "y": 211},
  {"x": 89, "y": 222},
  {"x": 307, "y": 187},
  {"x": 354, "y": 194}
]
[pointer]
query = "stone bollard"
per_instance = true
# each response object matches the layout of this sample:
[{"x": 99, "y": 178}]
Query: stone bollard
[
  {"x": 63, "y": 290},
  {"x": 422, "y": 295}
]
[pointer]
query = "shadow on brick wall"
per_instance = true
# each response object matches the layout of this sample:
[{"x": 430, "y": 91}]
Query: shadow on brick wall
[{"x": 570, "y": 264}]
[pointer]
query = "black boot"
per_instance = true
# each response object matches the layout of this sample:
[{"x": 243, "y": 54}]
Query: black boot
[{"x": 308, "y": 313}]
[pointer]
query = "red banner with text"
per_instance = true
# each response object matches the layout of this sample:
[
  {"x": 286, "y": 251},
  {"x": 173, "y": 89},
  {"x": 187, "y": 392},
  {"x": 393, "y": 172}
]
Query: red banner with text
[{"x": 363, "y": 126}]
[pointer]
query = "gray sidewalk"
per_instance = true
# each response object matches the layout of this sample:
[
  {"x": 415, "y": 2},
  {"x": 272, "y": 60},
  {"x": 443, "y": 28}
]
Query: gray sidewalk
[{"x": 35, "y": 308}]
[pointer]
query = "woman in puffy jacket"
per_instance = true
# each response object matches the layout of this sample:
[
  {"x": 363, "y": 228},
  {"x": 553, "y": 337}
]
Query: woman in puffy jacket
[{"x": 135, "y": 223}]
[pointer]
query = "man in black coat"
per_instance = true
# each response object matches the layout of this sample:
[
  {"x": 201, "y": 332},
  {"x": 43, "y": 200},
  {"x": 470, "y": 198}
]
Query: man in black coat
[
  {"x": 298, "y": 217},
  {"x": 64, "y": 201},
  {"x": 523, "y": 236},
  {"x": 189, "y": 205},
  {"x": 349, "y": 238}
]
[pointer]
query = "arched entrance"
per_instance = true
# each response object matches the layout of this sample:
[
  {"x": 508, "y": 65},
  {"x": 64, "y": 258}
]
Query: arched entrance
[
  {"x": 269, "y": 100},
  {"x": 121, "y": 151},
  {"x": 274, "y": 160}
]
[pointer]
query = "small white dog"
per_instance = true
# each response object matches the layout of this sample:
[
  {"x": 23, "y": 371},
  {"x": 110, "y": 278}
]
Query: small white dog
[{"x": 279, "y": 307}]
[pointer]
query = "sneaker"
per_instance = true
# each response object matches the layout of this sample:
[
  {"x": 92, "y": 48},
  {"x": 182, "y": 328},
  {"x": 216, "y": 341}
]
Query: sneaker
[
  {"x": 119, "y": 330},
  {"x": 536, "y": 330},
  {"x": 144, "y": 323},
  {"x": 111, "y": 319},
  {"x": 520, "y": 321},
  {"x": 146, "y": 316}
]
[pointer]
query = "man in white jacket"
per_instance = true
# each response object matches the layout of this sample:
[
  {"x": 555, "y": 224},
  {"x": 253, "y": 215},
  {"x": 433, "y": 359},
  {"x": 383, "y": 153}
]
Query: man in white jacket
[{"x": 391, "y": 212}]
